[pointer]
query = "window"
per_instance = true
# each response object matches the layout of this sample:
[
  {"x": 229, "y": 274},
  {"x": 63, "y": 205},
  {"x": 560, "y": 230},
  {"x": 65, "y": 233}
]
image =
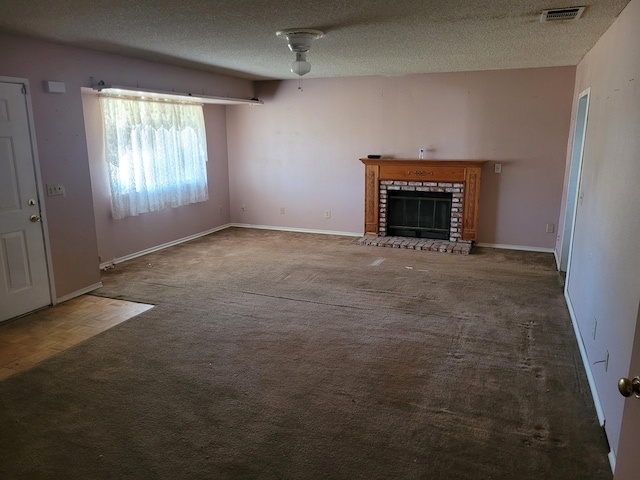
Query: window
[{"x": 156, "y": 153}]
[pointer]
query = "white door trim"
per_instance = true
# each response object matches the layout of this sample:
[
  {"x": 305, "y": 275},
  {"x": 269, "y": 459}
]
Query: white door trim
[
  {"x": 38, "y": 177},
  {"x": 575, "y": 175}
]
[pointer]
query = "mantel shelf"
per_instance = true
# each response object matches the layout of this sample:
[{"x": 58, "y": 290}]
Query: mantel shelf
[{"x": 423, "y": 162}]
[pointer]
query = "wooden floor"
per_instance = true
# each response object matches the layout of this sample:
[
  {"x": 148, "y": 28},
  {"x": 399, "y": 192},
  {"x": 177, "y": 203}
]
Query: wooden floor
[{"x": 30, "y": 339}]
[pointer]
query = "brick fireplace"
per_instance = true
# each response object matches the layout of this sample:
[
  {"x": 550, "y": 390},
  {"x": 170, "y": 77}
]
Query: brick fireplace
[{"x": 461, "y": 178}]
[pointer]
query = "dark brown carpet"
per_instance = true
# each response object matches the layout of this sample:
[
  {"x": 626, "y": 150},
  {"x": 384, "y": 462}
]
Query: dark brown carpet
[{"x": 274, "y": 355}]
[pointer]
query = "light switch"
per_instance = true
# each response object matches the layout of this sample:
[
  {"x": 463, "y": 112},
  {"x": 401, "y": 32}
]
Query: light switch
[
  {"x": 55, "y": 189},
  {"x": 497, "y": 168}
]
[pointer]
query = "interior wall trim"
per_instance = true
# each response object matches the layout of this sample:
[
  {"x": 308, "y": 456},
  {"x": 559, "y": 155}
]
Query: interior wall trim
[
  {"x": 524, "y": 248},
  {"x": 114, "y": 261},
  {"x": 78, "y": 293},
  {"x": 612, "y": 461},
  {"x": 293, "y": 229},
  {"x": 585, "y": 360},
  {"x": 358, "y": 234}
]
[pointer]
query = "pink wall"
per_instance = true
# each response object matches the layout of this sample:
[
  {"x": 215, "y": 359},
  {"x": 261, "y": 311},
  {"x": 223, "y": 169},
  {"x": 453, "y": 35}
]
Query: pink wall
[
  {"x": 603, "y": 281},
  {"x": 62, "y": 145},
  {"x": 300, "y": 150}
]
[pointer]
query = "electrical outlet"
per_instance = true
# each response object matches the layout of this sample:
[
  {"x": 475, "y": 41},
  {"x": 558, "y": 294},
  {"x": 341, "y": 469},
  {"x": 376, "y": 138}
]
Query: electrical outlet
[
  {"x": 55, "y": 189},
  {"x": 243, "y": 207},
  {"x": 220, "y": 210},
  {"x": 497, "y": 168},
  {"x": 595, "y": 327},
  {"x": 550, "y": 227},
  {"x": 281, "y": 210},
  {"x": 327, "y": 214}
]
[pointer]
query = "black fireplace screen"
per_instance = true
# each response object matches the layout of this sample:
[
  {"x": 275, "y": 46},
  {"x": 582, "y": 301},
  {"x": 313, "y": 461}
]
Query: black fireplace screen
[{"x": 419, "y": 214}]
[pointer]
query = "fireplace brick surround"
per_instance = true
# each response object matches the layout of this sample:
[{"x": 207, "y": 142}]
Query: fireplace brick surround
[
  {"x": 457, "y": 201},
  {"x": 461, "y": 178}
]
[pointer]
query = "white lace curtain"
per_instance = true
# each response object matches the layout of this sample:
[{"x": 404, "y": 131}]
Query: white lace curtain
[{"x": 156, "y": 152}]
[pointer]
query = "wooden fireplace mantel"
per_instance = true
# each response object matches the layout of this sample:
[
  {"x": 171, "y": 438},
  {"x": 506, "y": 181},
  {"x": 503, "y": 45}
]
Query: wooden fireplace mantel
[{"x": 467, "y": 172}]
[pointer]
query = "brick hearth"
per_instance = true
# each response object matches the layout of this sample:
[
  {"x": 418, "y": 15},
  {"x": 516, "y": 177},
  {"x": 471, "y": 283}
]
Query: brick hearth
[{"x": 425, "y": 244}]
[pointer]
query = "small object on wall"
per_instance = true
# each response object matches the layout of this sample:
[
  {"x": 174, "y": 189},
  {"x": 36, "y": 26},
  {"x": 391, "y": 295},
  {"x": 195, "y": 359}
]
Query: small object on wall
[
  {"x": 54, "y": 87},
  {"x": 497, "y": 168},
  {"x": 421, "y": 152},
  {"x": 55, "y": 189},
  {"x": 550, "y": 227}
]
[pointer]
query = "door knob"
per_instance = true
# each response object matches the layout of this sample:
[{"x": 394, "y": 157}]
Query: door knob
[
  {"x": 34, "y": 218},
  {"x": 629, "y": 387}
]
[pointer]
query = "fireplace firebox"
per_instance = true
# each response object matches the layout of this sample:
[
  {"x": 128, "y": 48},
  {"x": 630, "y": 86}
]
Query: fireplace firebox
[{"x": 419, "y": 214}]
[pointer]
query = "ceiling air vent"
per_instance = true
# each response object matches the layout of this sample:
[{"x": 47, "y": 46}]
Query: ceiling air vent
[{"x": 561, "y": 14}]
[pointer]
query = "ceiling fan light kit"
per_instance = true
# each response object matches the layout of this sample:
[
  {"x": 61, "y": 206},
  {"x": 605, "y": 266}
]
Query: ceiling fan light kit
[
  {"x": 299, "y": 41},
  {"x": 300, "y": 66}
]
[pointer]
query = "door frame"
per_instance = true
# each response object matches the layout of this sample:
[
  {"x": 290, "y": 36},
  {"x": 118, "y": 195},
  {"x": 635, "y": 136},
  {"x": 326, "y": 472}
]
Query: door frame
[
  {"x": 575, "y": 176},
  {"x": 38, "y": 177}
]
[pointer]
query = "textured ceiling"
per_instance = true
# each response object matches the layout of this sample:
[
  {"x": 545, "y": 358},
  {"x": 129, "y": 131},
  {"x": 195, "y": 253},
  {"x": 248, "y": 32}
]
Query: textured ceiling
[{"x": 376, "y": 37}]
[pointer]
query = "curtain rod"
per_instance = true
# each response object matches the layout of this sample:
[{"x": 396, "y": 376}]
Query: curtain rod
[{"x": 160, "y": 94}]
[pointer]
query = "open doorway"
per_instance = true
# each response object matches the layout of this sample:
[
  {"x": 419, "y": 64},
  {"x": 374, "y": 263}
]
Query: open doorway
[{"x": 573, "y": 189}]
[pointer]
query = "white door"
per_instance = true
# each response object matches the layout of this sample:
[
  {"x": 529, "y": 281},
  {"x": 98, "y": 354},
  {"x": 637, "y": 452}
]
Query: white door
[
  {"x": 24, "y": 278},
  {"x": 629, "y": 445}
]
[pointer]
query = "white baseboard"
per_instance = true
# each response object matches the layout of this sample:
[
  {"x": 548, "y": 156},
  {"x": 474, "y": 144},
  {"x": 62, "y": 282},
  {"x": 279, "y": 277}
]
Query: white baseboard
[
  {"x": 114, "y": 261},
  {"x": 77, "y": 293},
  {"x": 293, "y": 229},
  {"x": 557, "y": 257},
  {"x": 359, "y": 234},
  {"x": 111, "y": 263},
  {"x": 612, "y": 461},
  {"x": 587, "y": 368},
  {"x": 585, "y": 360},
  {"x": 516, "y": 247}
]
